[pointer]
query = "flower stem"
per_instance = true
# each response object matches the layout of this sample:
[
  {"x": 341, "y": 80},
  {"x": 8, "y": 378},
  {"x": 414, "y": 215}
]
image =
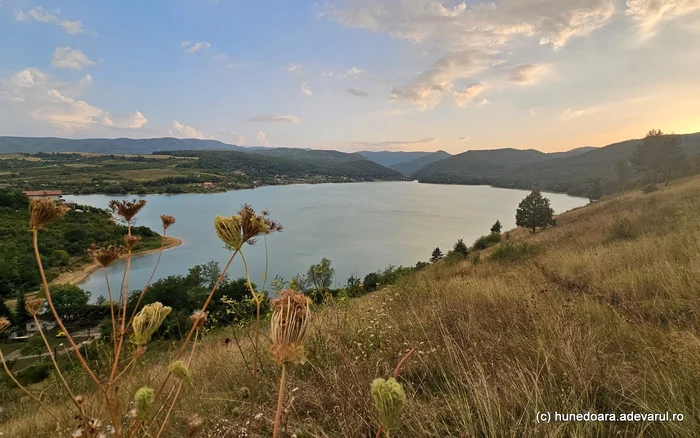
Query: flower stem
[
  {"x": 256, "y": 299},
  {"x": 280, "y": 399}
]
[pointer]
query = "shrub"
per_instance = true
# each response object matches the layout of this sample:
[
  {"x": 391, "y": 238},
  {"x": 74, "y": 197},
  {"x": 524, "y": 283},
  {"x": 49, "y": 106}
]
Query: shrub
[
  {"x": 621, "y": 228},
  {"x": 476, "y": 259},
  {"x": 370, "y": 282},
  {"x": 649, "y": 188},
  {"x": 513, "y": 251},
  {"x": 484, "y": 242}
]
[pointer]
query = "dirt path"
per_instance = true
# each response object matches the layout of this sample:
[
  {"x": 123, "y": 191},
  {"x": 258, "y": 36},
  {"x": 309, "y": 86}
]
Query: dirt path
[{"x": 80, "y": 274}]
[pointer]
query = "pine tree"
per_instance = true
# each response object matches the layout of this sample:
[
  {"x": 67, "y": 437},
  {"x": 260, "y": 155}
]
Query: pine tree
[
  {"x": 595, "y": 192},
  {"x": 534, "y": 211},
  {"x": 461, "y": 248},
  {"x": 436, "y": 256},
  {"x": 496, "y": 228}
]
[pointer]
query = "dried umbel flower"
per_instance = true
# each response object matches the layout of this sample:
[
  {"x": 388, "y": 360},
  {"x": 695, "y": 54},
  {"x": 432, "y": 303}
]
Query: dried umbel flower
[
  {"x": 131, "y": 241},
  {"x": 143, "y": 401},
  {"x": 229, "y": 231},
  {"x": 126, "y": 210},
  {"x": 193, "y": 425},
  {"x": 43, "y": 211},
  {"x": 290, "y": 320},
  {"x": 244, "y": 392},
  {"x": 167, "y": 221},
  {"x": 147, "y": 321},
  {"x": 180, "y": 370},
  {"x": 4, "y": 323},
  {"x": 389, "y": 398},
  {"x": 34, "y": 306},
  {"x": 243, "y": 228},
  {"x": 198, "y": 318},
  {"x": 105, "y": 256}
]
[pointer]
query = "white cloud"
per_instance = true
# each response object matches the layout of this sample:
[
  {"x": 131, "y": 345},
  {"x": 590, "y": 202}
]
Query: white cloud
[
  {"x": 74, "y": 59},
  {"x": 480, "y": 25},
  {"x": 469, "y": 93},
  {"x": 532, "y": 112},
  {"x": 293, "y": 68},
  {"x": 394, "y": 112},
  {"x": 570, "y": 114},
  {"x": 428, "y": 88},
  {"x": 483, "y": 102},
  {"x": 352, "y": 73},
  {"x": 357, "y": 92},
  {"x": 275, "y": 118},
  {"x": 464, "y": 138},
  {"x": 393, "y": 143},
  {"x": 232, "y": 66},
  {"x": 193, "y": 48},
  {"x": 305, "y": 90},
  {"x": 262, "y": 138},
  {"x": 649, "y": 13},
  {"x": 527, "y": 73},
  {"x": 31, "y": 92},
  {"x": 220, "y": 57},
  {"x": 43, "y": 16},
  {"x": 184, "y": 131}
]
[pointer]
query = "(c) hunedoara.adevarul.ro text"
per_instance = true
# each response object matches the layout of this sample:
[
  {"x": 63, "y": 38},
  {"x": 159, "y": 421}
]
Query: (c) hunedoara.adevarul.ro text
[{"x": 548, "y": 417}]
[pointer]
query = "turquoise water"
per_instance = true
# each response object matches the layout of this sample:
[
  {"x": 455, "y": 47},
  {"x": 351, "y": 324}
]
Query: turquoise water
[{"x": 360, "y": 227}]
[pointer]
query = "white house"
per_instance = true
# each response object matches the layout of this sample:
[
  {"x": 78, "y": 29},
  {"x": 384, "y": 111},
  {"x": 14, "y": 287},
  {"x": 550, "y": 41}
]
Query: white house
[
  {"x": 31, "y": 327},
  {"x": 54, "y": 195}
]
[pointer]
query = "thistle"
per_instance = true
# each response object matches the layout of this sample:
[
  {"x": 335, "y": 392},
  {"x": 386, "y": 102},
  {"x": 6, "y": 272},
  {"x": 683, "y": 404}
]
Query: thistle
[
  {"x": 4, "y": 323},
  {"x": 179, "y": 370},
  {"x": 167, "y": 221},
  {"x": 147, "y": 321},
  {"x": 34, "y": 306},
  {"x": 126, "y": 210},
  {"x": 143, "y": 401},
  {"x": 290, "y": 320},
  {"x": 105, "y": 256},
  {"x": 43, "y": 211},
  {"x": 389, "y": 398}
]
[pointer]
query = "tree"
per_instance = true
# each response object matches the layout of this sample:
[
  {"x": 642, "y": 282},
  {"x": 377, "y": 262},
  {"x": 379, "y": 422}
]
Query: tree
[
  {"x": 321, "y": 275},
  {"x": 371, "y": 282},
  {"x": 496, "y": 228},
  {"x": 436, "y": 256},
  {"x": 68, "y": 299},
  {"x": 461, "y": 248},
  {"x": 21, "y": 315},
  {"x": 595, "y": 192},
  {"x": 534, "y": 211},
  {"x": 658, "y": 153},
  {"x": 621, "y": 172}
]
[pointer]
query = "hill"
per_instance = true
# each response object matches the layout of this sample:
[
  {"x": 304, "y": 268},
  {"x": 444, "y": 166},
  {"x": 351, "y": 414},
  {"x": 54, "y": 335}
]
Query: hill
[
  {"x": 108, "y": 145},
  {"x": 392, "y": 158},
  {"x": 596, "y": 315},
  {"x": 572, "y": 174},
  {"x": 409, "y": 167}
]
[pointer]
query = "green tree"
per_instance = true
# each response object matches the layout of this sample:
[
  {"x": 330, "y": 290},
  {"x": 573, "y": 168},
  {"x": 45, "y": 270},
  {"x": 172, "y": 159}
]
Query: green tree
[
  {"x": 60, "y": 258},
  {"x": 658, "y": 153},
  {"x": 621, "y": 173},
  {"x": 21, "y": 316},
  {"x": 595, "y": 192},
  {"x": 68, "y": 299},
  {"x": 371, "y": 282},
  {"x": 461, "y": 248},
  {"x": 496, "y": 228},
  {"x": 436, "y": 255},
  {"x": 321, "y": 275},
  {"x": 534, "y": 211}
]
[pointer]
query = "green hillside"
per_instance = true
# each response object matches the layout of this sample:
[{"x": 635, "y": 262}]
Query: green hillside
[{"x": 410, "y": 167}]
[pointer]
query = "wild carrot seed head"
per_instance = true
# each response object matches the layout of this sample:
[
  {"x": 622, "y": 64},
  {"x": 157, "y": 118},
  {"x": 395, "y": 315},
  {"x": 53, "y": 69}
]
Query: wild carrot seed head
[
  {"x": 147, "y": 321},
  {"x": 290, "y": 321},
  {"x": 34, "y": 306},
  {"x": 43, "y": 211},
  {"x": 181, "y": 371},
  {"x": 106, "y": 255},
  {"x": 199, "y": 318},
  {"x": 131, "y": 241},
  {"x": 167, "y": 221},
  {"x": 126, "y": 210},
  {"x": 143, "y": 401},
  {"x": 389, "y": 398},
  {"x": 4, "y": 323}
]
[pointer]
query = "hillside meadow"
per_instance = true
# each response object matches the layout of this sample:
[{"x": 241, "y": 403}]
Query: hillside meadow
[{"x": 599, "y": 314}]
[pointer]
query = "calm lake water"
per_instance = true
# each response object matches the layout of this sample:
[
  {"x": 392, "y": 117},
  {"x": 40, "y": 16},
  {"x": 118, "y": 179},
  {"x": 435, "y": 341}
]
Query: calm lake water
[{"x": 360, "y": 227}]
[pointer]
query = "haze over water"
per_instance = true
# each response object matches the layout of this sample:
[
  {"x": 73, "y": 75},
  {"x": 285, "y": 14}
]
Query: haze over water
[{"x": 360, "y": 227}]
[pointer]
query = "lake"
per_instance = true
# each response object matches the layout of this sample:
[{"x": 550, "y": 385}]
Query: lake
[{"x": 360, "y": 227}]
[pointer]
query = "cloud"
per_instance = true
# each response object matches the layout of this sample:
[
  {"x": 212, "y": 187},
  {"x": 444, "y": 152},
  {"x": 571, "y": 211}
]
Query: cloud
[
  {"x": 464, "y": 138},
  {"x": 74, "y": 59},
  {"x": 220, "y": 57},
  {"x": 184, "y": 131},
  {"x": 428, "y": 88},
  {"x": 351, "y": 73},
  {"x": 357, "y": 92},
  {"x": 305, "y": 90},
  {"x": 532, "y": 112},
  {"x": 31, "y": 92},
  {"x": 193, "y": 48},
  {"x": 481, "y": 25},
  {"x": 527, "y": 73},
  {"x": 275, "y": 118},
  {"x": 232, "y": 66},
  {"x": 239, "y": 139},
  {"x": 392, "y": 143},
  {"x": 649, "y": 13},
  {"x": 43, "y": 16},
  {"x": 466, "y": 95},
  {"x": 483, "y": 102},
  {"x": 262, "y": 138},
  {"x": 570, "y": 114},
  {"x": 293, "y": 68}
]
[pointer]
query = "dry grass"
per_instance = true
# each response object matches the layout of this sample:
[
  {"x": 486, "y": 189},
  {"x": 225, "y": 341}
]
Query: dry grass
[{"x": 590, "y": 322}]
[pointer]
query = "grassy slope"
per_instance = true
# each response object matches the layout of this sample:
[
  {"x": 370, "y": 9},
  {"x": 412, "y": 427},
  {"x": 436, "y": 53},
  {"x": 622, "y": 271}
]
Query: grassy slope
[{"x": 588, "y": 322}]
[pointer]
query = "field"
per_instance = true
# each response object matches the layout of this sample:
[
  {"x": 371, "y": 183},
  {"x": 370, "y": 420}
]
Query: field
[{"x": 598, "y": 314}]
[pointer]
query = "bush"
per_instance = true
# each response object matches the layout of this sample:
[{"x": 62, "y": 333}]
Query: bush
[
  {"x": 453, "y": 257},
  {"x": 649, "y": 188},
  {"x": 34, "y": 373},
  {"x": 484, "y": 242},
  {"x": 370, "y": 282},
  {"x": 621, "y": 228},
  {"x": 513, "y": 251}
]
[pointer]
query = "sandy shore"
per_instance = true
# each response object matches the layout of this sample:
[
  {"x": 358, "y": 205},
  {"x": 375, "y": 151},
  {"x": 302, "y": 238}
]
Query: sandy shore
[{"x": 80, "y": 274}]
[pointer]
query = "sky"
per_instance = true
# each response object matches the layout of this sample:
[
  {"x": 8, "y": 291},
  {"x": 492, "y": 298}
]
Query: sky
[{"x": 352, "y": 75}]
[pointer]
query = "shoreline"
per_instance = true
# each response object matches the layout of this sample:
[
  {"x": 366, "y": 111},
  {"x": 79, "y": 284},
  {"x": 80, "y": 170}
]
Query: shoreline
[{"x": 79, "y": 274}]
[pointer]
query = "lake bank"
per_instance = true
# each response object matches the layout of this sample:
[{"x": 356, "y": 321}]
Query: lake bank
[{"x": 79, "y": 274}]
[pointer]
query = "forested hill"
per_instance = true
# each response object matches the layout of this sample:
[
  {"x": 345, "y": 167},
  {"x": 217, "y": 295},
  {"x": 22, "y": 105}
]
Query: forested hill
[
  {"x": 409, "y": 167},
  {"x": 108, "y": 145},
  {"x": 512, "y": 168}
]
